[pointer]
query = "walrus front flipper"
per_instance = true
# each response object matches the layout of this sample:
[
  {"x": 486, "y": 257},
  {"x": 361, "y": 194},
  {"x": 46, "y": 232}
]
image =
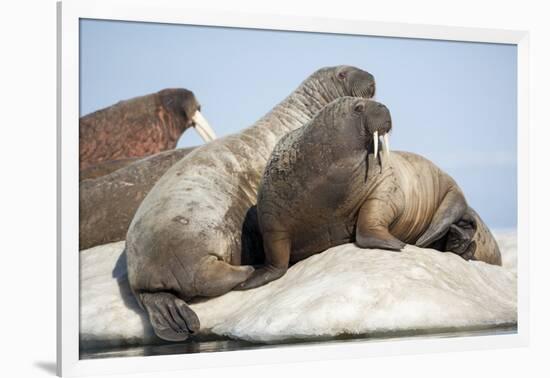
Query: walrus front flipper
[
  {"x": 452, "y": 208},
  {"x": 277, "y": 257},
  {"x": 261, "y": 277},
  {"x": 372, "y": 230},
  {"x": 172, "y": 319},
  {"x": 380, "y": 238}
]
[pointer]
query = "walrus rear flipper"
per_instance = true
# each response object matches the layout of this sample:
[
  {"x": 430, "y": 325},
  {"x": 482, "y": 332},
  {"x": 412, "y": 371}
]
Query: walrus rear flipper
[
  {"x": 485, "y": 247},
  {"x": 459, "y": 238},
  {"x": 171, "y": 318},
  {"x": 452, "y": 208}
]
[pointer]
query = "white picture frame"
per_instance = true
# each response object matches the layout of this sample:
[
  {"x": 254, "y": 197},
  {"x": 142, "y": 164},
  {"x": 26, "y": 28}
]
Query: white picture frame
[{"x": 171, "y": 11}]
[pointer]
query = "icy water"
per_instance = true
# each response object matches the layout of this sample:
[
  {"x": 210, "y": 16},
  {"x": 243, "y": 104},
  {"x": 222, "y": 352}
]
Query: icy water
[{"x": 220, "y": 345}]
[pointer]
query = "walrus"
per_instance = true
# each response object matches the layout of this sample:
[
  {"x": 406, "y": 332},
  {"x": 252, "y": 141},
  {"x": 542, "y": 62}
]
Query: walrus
[
  {"x": 325, "y": 185},
  {"x": 140, "y": 126},
  {"x": 105, "y": 167},
  {"x": 108, "y": 203},
  {"x": 185, "y": 239}
]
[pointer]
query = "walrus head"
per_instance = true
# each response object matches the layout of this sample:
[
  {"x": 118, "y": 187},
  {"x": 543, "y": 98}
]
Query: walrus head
[
  {"x": 329, "y": 83},
  {"x": 354, "y": 81},
  {"x": 356, "y": 123},
  {"x": 338, "y": 81},
  {"x": 377, "y": 122},
  {"x": 183, "y": 104}
]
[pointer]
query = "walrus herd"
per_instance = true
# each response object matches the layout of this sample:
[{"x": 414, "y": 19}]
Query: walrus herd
[{"x": 306, "y": 177}]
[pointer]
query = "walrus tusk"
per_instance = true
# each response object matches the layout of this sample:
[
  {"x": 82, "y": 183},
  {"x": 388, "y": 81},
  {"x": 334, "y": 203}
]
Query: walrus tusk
[
  {"x": 387, "y": 145},
  {"x": 375, "y": 144},
  {"x": 203, "y": 128}
]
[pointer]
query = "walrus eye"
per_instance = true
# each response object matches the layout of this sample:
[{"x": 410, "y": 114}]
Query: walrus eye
[
  {"x": 342, "y": 75},
  {"x": 359, "y": 108}
]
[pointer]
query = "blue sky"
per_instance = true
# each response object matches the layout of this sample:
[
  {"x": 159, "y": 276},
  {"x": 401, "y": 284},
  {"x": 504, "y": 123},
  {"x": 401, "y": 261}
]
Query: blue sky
[{"x": 453, "y": 102}]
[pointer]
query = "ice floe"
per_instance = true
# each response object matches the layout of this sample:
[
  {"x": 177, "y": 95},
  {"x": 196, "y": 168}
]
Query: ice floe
[{"x": 342, "y": 291}]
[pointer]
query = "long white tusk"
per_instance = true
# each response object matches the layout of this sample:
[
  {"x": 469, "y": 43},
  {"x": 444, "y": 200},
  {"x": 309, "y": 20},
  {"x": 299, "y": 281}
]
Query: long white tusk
[
  {"x": 375, "y": 135},
  {"x": 203, "y": 128},
  {"x": 387, "y": 145}
]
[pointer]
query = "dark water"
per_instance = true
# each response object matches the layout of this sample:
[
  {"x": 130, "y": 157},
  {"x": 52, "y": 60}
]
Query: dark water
[{"x": 226, "y": 344}]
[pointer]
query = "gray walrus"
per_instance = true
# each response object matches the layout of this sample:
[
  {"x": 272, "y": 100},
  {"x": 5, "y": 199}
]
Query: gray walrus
[
  {"x": 106, "y": 167},
  {"x": 108, "y": 203},
  {"x": 324, "y": 185},
  {"x": 140, "y": 126},
  {"x": 185, "y": 239}
]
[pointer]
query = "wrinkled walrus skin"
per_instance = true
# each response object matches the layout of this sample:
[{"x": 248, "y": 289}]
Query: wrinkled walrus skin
[
  {"x": 108, "y": 203},
  {"x": 324, "y": 187},
  {"x": 105, "y": 168},
  {"x": 185, "y": 239},
  {"x": 139, "y": 127}
]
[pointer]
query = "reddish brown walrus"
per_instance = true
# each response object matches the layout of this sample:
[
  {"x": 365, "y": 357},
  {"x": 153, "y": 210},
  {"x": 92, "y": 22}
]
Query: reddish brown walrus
[
  {"x": 325, "y": 186},
  {"x": 185, "y": 239},
  {"x": 140, "y": 127},
  {"x": 108, "y": 203}
]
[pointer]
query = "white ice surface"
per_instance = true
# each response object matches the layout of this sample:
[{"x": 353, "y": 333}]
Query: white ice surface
[{"x": 345, "y": 290}]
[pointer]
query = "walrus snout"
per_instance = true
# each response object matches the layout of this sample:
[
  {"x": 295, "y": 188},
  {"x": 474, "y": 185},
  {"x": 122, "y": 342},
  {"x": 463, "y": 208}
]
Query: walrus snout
[
  {"x": 378, "y": 123},
  {"x": 183, "y": 102},
  {"x": 371, "y": 89},
  {"x": 368, "y": 81}
]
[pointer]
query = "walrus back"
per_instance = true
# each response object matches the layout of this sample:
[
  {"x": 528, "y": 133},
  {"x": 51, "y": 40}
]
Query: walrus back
[
  {"x": 108, "y": 203},
  {"x": 204, "y": 197},
  {"x": 425, "y": 191},
  {"x": 423, "y": 186}
]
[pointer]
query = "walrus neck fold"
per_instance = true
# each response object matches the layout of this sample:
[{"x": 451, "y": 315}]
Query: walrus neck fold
[
  {"x": 174, "y": 129},
  {"x": 378, "y": 169},
  {"x": 173, "y": 125},
  {"x": 301, "y": 105}
]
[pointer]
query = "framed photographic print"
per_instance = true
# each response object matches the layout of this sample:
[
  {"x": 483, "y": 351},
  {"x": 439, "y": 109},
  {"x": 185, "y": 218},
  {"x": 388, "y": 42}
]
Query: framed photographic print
[{"x": 285, "y": 188}]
